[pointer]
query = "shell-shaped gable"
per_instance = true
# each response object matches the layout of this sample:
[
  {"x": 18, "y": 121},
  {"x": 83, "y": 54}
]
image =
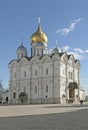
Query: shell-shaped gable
[
  {"x": 23, "y": 61},
  {"x": 77, "y": 63},
  {"x": 13, "y": 63},
  {"x": 56, "y": 57},
  {"x": 45, "y": 58},
  {"x": 71, "y": 59},
  {"x": 64, "y": 58},
  {"x": 34, "y": 60}
]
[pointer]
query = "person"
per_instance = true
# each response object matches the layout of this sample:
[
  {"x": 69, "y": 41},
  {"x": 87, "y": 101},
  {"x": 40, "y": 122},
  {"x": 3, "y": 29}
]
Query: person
[{"x": 81, "y": 102}]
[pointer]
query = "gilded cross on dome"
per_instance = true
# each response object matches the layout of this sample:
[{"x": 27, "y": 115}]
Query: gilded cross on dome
[
  {"x": 21, "y": 41},
  {"x": 39, "y": 20}
]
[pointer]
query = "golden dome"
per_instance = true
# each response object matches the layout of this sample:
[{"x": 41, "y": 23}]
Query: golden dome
[{"x": 39, "y": 36}]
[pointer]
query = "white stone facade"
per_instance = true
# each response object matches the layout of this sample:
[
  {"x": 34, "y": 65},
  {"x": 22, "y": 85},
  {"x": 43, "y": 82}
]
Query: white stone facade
[
  {"x": 43, "y": 77},
  {"x": 5, "y": 97},
  {"x": 82, "y": 94}
]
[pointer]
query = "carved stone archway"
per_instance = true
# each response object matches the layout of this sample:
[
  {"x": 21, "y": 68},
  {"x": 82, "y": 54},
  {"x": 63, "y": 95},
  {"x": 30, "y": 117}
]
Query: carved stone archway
[
  {"x": 72, "y": 87},
  {"x": 23, "y": 98}
]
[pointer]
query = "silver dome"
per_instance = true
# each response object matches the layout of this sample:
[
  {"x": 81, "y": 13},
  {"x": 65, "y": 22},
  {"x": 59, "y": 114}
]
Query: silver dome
[
  {"x": 21, "y": 48},
  {"x": 55, "y": 50}
]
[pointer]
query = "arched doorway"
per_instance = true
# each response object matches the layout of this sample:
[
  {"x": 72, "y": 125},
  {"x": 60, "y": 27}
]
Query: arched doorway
[
  {"x": 72, "y": 87},
  {"x": 23, "y": 98},
  {"x": 6, "y": 99}
]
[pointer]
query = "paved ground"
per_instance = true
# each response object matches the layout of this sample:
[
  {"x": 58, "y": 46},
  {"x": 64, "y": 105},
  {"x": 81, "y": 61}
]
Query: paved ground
[{"x": 44, "y": 117}]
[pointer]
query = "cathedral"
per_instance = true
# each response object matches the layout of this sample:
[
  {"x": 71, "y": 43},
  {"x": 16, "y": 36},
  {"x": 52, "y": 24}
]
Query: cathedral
[{"x": 43, "y": 77}]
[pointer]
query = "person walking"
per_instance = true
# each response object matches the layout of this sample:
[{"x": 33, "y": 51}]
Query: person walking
[{"x": 81, "y": 102}]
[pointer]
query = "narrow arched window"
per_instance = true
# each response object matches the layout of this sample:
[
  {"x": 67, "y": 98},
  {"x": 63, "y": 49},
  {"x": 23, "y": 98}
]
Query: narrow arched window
[
  {"x": 35, "y": 72},
  {"x": 71, "y": 75},
  {"x": 15, "y": 75},
  {"x": 24, "y": 89},
  {"x": 14, "y": 95},
  {"x": 46, "y": 89},
  {"x": 46, "y": 71},
  {"x": 35, "y": 89},
  {"x": 24, "y": 74}
]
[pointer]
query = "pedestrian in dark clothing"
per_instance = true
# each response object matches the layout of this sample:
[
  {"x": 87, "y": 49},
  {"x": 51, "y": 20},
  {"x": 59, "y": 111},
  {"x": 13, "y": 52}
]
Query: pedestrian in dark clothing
[{"x": 81, "y": 102}]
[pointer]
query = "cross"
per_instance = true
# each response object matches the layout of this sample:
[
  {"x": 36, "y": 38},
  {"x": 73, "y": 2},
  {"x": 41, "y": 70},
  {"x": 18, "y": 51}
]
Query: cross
[
  {"x": 56, "y": 44},
  {"x": 39, "y": 20},
  {"x": 22, "y": 41}
]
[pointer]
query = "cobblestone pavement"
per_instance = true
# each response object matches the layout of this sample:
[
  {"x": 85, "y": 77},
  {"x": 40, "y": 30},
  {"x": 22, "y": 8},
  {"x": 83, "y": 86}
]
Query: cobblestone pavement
[{"x": 44, "y": 117}]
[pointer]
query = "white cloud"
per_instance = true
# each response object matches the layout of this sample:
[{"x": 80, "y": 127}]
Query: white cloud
[
  {"x": 86, "y": 51},
  {"x": 78, "y": 50},
  {"x": 66, "y": 48},
  {"x": 78, "y": 20},
  {"x": 65, "y": 31},
  {"x": 76, "y": 55}
]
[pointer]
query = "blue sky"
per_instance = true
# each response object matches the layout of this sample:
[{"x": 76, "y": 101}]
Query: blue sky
[{"x": 63, "y": 20}]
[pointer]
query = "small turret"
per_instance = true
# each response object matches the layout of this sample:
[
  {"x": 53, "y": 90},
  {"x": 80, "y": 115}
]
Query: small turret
[{"x": 21, "y": 51}]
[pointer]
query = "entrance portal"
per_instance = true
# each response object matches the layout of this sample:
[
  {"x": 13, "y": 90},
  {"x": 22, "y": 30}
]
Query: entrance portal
[
  {"x": 71, "y": 93},
  {"x": 23, "y": 98},
  {"x": 72, "y": 87},
  {"x": 6, "y": 99}
]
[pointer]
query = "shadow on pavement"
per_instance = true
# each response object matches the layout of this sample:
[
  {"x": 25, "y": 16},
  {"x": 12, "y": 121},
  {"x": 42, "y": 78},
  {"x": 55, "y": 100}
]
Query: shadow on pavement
[
  {"x": 68, "y": 105},
  {"x": 77, "y": 120}
]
